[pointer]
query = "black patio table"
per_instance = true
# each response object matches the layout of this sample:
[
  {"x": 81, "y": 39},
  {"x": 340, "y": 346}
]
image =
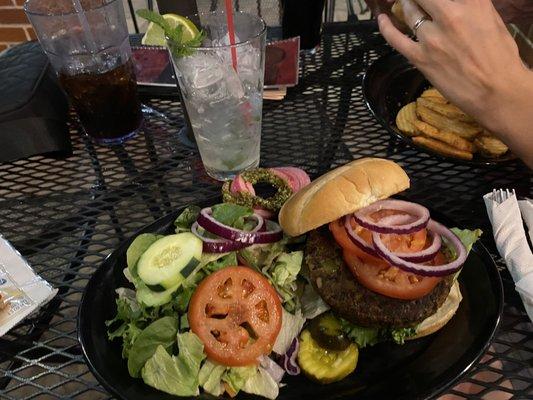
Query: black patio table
[{"x": 66, "y": 215}]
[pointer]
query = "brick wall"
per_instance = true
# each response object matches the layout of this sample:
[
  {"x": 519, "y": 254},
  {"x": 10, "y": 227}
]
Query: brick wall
[{"x": 14, "y": 26}]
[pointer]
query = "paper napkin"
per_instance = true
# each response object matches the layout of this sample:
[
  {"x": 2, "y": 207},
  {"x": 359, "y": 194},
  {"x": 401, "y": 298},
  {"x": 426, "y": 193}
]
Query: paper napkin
[
  {"x": 510, "y": 237},
  {"x": 21, "y": 290}
]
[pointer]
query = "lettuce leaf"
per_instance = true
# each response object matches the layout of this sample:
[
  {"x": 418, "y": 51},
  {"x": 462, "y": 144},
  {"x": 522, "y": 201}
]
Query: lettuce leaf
[
  {"x": 399, "y": 335},
  {"x": 283, "y": 274},
  {"x": 185, "y": 220},
  {"x": 176, "y": 375},
  {"x": 291, "y": 325},
  {"x": 254, "y": 380},
  {"x": 236, "y": 377},
  {"x": 135, "y": 250},
  {"x": 130, "y": 320},
  {"x": 262, "y": 384},
  {"x": 259, "y": 256},
  {"x": 364, "y": 336},
  {"x": 231, "y": 214},
  {"x": 312, "y": 303},
  {"x": 467, "y": 237},
  {"x": 210, "y": 378},
  {"x": 221, "y": 262},
  {"x": 161, "y": 332},
  {"x": 360, "y": 335}
]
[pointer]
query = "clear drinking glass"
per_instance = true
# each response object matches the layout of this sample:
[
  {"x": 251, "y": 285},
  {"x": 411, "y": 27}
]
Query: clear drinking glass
[
  {"x": 224, "y": 103},
  {"x": 88, "y": 46}
]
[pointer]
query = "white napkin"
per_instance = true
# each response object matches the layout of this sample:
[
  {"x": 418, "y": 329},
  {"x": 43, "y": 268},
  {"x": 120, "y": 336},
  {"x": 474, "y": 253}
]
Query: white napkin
[
  {"x": 510, "y": 237},
  {"x": 526, "y": 208},
  {"x": 22, "y": 291}
]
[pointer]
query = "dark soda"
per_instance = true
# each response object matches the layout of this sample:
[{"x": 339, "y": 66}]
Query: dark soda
[{"x": 106, "y": 103}]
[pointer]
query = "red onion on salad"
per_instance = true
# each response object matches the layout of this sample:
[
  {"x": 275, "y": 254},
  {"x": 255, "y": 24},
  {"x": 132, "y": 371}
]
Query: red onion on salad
[
  {"x": 420, "y": 269},
  {"x": 420, "y": 213},
  {"x": 288, "y": 360},
  {"x": 273, "y": 369},
  {"x": 231, "y": 239},
  {"x": 206, "y": 221},
  {"x": 219, "y": 245}
]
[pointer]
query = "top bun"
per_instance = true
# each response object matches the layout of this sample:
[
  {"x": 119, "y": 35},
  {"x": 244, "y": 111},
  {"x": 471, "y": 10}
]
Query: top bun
[{"x": 341, "y": 191}]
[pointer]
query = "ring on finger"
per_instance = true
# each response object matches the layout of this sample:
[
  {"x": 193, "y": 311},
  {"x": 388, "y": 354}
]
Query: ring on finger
[{"x": 418, "y": 23}]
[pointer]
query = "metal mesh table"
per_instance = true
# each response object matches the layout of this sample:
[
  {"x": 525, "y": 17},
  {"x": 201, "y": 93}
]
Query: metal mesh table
[{"x": 66, "y": 215}]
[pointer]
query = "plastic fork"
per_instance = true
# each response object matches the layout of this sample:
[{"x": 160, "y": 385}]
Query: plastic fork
[{"x": 501, "y": 195}]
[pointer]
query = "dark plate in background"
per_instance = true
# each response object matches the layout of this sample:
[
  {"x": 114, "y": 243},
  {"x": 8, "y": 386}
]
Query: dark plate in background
[
  {"x": 392, "y": 82},
  {"x": 419, "y": 369}
]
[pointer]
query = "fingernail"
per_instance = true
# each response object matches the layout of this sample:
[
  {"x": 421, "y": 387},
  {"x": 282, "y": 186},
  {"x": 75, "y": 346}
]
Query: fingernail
[{"x": 380, "y": 18}]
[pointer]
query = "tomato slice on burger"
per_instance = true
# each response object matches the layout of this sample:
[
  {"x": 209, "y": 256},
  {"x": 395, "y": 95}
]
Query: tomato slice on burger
[
  {"x": 236, "y": 313},
  {"x": 409, "y": 243},
  {"x": 342, "y": 238},
  {"x": 391, "y": 281}
]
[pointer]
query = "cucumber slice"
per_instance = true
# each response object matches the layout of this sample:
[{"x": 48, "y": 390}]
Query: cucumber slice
[
  {"x": 152, "y": 299},
  {"x": 170, "y": 259},
  {"x": 139, "y": 245}
]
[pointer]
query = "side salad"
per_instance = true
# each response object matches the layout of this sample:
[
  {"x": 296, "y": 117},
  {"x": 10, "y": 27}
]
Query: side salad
[{"x": 154, "y": 319}]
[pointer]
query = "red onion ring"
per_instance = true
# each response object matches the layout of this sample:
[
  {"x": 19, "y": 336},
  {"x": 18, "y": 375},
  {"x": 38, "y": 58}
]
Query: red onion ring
[
  {"x": 419, "y": 256},
  {"x": 288, "y": 360},
  {"x": 358, "y": 240},
  {"x": 263, "y": 212},
  {"x": 421, "y": 213},
  {"x": 273, "y": 232},
  {"x": 421, "y": 269},
  {"x": 206, "y": 221},
  {"x": 216, "y": 245}
]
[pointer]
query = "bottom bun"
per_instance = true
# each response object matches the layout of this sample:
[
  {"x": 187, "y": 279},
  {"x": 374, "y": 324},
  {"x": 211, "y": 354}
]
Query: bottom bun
[{"x": 442, "y": 316}]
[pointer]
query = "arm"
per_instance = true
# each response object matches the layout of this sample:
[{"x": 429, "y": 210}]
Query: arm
[{"x": 466, "y": 52}]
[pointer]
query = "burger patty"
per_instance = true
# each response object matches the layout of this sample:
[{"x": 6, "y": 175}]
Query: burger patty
[{"x": 354, "y": 302}]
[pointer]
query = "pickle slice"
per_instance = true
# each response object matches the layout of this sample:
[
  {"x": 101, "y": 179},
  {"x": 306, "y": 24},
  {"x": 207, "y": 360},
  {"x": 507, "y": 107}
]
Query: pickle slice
[
  {"x": 326, "y": 330},
  {"x": 323, "y": 365}
]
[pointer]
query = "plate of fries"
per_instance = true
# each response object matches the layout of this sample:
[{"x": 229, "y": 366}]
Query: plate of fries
[{"x": 404, "y": 102}]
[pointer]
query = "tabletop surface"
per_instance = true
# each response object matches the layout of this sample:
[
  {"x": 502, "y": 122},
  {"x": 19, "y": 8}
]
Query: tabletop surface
[{"x": 65, "y": 216}]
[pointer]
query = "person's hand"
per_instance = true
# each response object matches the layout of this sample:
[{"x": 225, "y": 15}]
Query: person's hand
[
  {"x": 465, "y": 49},
  {"x": 466, "y": 52}
]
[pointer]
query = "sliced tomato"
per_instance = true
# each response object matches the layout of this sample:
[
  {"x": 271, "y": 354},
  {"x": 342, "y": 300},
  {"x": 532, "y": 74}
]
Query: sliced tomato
[
  {"x": 236, "y": 313},
  {"x": 342, "y": 238},
  {"x": 408, "y": 243},
  {"x": 391, "y": 281}
]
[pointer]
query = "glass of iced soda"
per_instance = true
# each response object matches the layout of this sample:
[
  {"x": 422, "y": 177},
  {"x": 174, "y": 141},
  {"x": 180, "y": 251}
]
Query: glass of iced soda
[{"x": 88, "y": 46}]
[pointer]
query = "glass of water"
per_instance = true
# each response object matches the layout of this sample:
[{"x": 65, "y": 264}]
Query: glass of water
[{"x": 222, "y": 88}]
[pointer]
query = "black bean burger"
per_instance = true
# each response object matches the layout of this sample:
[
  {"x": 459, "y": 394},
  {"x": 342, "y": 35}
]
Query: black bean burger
[{"x": 377, "y": 262}]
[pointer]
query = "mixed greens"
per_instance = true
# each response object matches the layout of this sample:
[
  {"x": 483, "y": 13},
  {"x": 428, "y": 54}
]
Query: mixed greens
[{"x": 152, "y": 322}]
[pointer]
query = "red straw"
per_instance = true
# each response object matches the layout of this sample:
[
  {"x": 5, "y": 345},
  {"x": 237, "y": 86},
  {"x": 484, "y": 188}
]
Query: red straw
[{"x": 231, "y": 32}]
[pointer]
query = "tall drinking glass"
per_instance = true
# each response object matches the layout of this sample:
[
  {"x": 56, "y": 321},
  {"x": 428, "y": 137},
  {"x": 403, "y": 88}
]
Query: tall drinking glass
[
  {"x": 87, "y": 44},
  {"x": 224, "y": 99}
]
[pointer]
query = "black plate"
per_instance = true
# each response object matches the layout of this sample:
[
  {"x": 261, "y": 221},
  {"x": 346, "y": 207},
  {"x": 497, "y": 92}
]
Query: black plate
[
  {"x": 392, "y": 82},
  {"x": 418, "y": 370}
]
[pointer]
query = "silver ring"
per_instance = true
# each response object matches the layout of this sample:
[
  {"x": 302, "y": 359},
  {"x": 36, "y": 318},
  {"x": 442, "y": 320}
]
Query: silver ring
[{"x": 419, "y": 23}]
